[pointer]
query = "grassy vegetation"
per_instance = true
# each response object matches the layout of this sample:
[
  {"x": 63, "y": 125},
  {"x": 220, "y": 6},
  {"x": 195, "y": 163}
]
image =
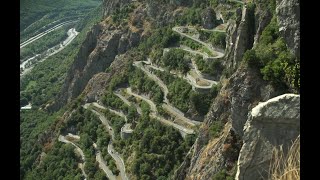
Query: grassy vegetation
[
  {"x": 222, "y": 175},
  {"x": 116, "y": 122},
  {"x": 207, "y": 51},
  {"x": 160, "y": 38},
  {"x": 196, "y": 46},
  {"x": 215, "y": 129},
  {"x": 286, "y": 166},
  {"x": 61, "y": 162},
  {"x": 190, "y": 43},
  {"x": 190, "y": 16},
  {"x": 179, "y": 93},
  {"x": 32, "y": 124},
  {"x": 115, "y": 102}
]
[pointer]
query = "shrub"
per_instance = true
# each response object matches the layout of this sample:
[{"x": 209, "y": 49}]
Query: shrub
[
  {"x": 251, "y": 58},
  {"x": 215, "y": 129}
]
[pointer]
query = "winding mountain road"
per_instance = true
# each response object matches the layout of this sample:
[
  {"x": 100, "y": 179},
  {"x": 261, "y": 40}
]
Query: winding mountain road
[
  {"x": 127, "y": 128},
  {"x": 119, "y": 161},
  {"x": 103, "y": 164},
  {"x": 154, "y": 114},
  {"x": 102, "y": 119},
  {"x": 40, "y": 35},
  {"x": 79, "y": 151},
  {"x": 128, "y": 102},
  {"x": 115, "y": 155},
  {"x": 167, "y": 106},
  {"x": 220, "y": 53},
  {"x": 72, "y": 33},
  {"x": 189, "y": 78},
  {"x": 119, "y": 113},
  {"x": 122, "y": 98},
  {"x": 237, "y": 1}
]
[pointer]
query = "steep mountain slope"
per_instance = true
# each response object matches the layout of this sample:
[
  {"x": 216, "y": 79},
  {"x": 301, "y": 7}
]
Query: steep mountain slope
[
  {"x": 241, "y": 92},
  {"x": 176, "y": 86}
]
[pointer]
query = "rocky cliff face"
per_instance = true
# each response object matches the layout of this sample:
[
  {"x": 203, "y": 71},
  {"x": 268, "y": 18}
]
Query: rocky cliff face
[
  {"x": 262, "y": 19},
  {"x": 95, "y": 55},
  {"x": 240, "y": 37},
  {"x": 106, "y": 40},
  {"x": 97, "y": 84},
  {"x": 244, "y": 32},
  {"x": 103, "y": 43},
  {"x": 209, "y": 19},
  {"x": 239, "y": 94},
  {"x": 288, "y": 16},
  {"x": 270, "y": 124}
]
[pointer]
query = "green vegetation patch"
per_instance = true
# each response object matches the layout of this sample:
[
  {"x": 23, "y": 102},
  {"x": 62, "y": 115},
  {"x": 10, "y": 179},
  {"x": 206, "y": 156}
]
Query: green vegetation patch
[
  {"x": 37, "y": 13},
  {"x": 183, "y": 97},
  {"x": 122, "y": 14},
  {"x": 222, "y": 175},
  {"x": 215, "y": 38},
  {"x": 32, "y": 124},
  {"x": 215, "y": 128},
  {"x": 160, "y": 38},
  {"x": 211, "y": 67},
  {"x": 176, "y": 59},
  {"x": 159, "y": 149},
  {"x": 138, "y": 81},
  {"x": 276, "y": 63}
]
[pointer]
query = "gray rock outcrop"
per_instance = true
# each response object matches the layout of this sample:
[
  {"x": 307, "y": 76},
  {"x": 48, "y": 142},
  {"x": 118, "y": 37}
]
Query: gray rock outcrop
[
  {"x": 270, "y": 124},
  {"x": 240, "y": 37},
  {"x": 262, "y": 19},
  {"x": 288, "y": 16},
  {"x": 245, "y": 35},
  {"x": 97, "y": 84},
  {"x": 96, "y": 54},
  {"x": 209, "y": 19}
]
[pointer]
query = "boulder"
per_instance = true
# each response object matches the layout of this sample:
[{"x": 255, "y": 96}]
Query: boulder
[
  {"x": 270, "y": 124},
  {"x": 209, "y": 19}
]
